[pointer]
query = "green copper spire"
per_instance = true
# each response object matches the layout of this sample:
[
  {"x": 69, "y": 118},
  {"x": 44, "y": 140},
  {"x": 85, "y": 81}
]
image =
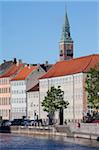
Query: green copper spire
[
  {"x": 66, "y": 29},
  {"x": 66, "y": 42}
]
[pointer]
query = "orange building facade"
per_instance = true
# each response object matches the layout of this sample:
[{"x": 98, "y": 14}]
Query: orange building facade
[{"x": 5, "y": 90}]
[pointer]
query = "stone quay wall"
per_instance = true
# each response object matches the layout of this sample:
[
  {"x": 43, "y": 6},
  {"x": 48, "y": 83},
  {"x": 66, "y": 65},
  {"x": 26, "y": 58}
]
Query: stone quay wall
[
  {"x": 86, "y": 130},
  {"x": 90, "y": 131},
  {"x": 91, "y": 128}
]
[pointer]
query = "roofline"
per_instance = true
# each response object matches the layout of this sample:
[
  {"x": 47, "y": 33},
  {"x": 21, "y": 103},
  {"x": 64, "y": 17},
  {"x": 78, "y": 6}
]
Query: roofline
[
  {"x": 5, "y": 76},
  {"x": 13, "y": 79},
  {"x": 68, "y": 61},
  {"x": 61, "y": 75}
]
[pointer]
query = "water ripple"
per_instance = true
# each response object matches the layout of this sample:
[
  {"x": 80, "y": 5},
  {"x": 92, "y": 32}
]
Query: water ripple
[{"x": 12, "y": 142}]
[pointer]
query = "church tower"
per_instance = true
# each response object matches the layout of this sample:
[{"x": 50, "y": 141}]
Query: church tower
[{"x": 66, "y": 42}]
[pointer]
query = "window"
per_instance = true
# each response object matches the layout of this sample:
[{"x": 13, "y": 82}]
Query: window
[
  {"x": 69, "y": 53},
  {"x": 61, "y": 53},
  {"x": 32, "y": 104}
]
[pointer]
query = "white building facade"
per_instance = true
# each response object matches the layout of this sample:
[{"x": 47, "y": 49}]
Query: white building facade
[
  {"x": 33, "y": 105},
  {"x": 23, "y": 81},
  {"x": 70, "y": 76},
  {"x": 73, "y": 87},
  {"x": 18, "y": 99}
]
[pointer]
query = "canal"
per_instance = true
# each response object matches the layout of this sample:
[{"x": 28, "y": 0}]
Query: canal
[{"x": 17, "y": 142}]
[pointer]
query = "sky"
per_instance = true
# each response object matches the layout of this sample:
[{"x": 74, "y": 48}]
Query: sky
[{"x": 31, "y": 30}]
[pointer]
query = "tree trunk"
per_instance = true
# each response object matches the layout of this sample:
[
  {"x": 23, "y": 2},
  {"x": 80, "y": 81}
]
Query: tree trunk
[
  {"x": 61, "y": 116},
  {"x": 51, "y": 117}
]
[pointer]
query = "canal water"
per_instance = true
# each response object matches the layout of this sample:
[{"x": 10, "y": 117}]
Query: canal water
[{"x": 17, "y": 142}]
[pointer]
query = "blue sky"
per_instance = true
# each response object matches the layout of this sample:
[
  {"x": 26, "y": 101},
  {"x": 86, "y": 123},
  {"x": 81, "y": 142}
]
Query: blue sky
[{"x": 31, "y": 30}]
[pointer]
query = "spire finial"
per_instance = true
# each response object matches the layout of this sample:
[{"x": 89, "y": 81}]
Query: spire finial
[{"x": 65, "y": 8}]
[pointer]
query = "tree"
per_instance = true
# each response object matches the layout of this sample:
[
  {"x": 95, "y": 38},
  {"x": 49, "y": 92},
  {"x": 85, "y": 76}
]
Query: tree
[
  {"x": 92, "y": 87},
  {"x": 54, "y": 101}
]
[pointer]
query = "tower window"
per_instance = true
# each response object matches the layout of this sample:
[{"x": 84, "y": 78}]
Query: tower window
[
  {"x": 61, "y": 53},
  {"x": 69, "y": 53}
]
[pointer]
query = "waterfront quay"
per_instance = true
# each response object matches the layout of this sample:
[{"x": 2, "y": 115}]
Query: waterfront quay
[
  {"x": 55, "y": 137},
  {"x": 86, "y": 130}
]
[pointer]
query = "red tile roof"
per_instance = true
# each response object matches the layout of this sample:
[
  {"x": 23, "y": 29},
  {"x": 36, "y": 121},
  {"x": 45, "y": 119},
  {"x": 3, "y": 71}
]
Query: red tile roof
[
  {"x": 77, "y": 65},
  {"x": 24, "y": 72},
  {"x": 11, "y": 70}
]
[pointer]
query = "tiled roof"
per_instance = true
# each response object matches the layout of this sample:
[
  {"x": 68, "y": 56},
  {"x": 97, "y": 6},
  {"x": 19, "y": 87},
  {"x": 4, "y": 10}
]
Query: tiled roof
[
  {"x": 11, "y": 70},
  {"x": 5, "y": 65},
  {"x": 77, "y": 65},
  {"x": 24, "y": 72},
  {"x": 35, "y": 88}
]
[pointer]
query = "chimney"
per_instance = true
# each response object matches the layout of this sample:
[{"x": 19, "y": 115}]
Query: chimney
[
  {"x": 4, "y": 60},
  {"x": 25, "y": 65},
  {"x": 28, "y": 65},
  {"x": 46, "y": 63},
  {"x": 20, "y": 61},
  {"x": 15, "y": 61}
]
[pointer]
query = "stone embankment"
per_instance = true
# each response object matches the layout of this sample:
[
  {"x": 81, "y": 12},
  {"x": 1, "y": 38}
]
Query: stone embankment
[
  {"x": 90, "y": 131},
  {"x": 86, "y": 130}
]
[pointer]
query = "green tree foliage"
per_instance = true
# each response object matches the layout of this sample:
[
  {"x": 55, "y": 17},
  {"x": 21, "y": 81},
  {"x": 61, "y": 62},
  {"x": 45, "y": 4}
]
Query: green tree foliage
[
  {"x": 54, "y": 101},
  {"x": 92, "y": 87}
]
